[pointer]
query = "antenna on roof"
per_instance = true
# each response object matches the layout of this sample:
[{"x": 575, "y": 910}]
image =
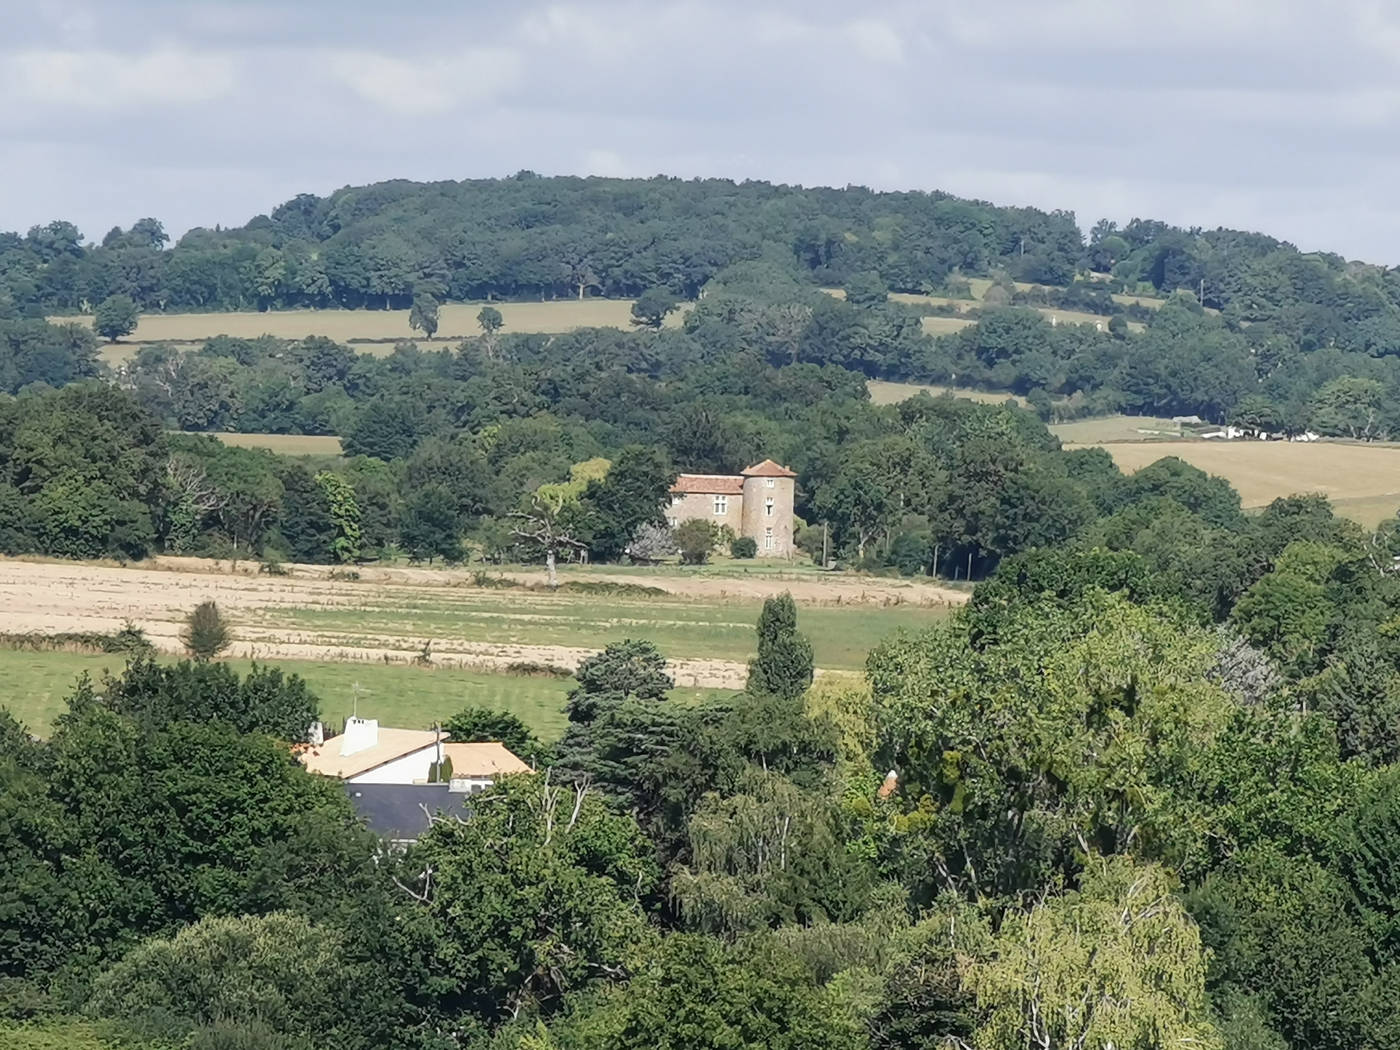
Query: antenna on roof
[{"x": 355, "y": 690}]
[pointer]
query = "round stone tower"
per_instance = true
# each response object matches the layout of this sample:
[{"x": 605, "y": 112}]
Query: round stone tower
[{"x": 769, "y": 494}]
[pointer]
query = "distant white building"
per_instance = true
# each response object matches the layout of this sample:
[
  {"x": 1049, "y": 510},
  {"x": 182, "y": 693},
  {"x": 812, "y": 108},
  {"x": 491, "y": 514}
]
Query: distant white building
[{"x": 368, "y": 754}]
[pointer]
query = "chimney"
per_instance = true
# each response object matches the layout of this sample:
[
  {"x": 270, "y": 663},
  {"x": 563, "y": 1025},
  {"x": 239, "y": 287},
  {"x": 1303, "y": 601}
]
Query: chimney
[{"x": 360, "y": 734}]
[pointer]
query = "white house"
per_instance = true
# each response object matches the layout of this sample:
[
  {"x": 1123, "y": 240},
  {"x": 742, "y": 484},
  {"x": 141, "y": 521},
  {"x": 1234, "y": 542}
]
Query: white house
[{"x": 366, "y": 754}]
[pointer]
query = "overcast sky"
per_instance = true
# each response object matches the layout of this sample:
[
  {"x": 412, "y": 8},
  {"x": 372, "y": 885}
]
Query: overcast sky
[{"x": 1276, "y": 115}]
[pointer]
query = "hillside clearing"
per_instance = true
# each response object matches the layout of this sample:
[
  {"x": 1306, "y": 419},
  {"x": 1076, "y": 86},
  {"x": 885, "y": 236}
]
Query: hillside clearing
[
  {"x": 1104, "y": 429},
  {"x": 885, "y": 393},
  {"x": 455, "y": 321},
  {"x": 283, "y": 444},
  {"x": 1362, "y": 480}
]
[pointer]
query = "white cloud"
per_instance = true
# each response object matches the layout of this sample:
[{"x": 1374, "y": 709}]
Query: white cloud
[
  {"x": 108, "y": 80},
  {"x": 876, "y": 41},
  {"x": 605, "y": 162},
  {"x": 427, "y": 88}
]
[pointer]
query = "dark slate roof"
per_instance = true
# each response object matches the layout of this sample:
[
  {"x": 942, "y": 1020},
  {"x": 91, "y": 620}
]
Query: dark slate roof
[{"x": 399, "y": 812}]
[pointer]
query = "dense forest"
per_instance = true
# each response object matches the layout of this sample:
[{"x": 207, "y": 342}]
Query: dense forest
[
  {"x": 1261, "y": 333},
  {"x": 1145, "y": 794}
]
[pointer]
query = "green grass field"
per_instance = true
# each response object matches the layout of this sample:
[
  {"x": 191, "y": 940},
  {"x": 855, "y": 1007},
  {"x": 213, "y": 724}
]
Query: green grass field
[
  {"x": 33, "y": 685},
  {"x": 683, "y": 627},
  {"x": 1111, "y": 429}
]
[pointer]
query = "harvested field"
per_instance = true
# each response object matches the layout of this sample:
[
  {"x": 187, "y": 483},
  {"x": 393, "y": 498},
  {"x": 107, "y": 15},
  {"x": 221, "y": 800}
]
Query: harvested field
[
  {"x": 286, "y": 444},
  {"x": 455, "y": 321},
  {"x": 703, "y": 624},
  {"x": 944, "y": 325},
  {"x": 883, "y": 393},
  {"x": 1361, "y": 479}
]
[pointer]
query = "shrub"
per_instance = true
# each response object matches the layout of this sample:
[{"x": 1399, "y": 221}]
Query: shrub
[
  {"x": 911, "y": 553},
  {"x": 272, "y": 565},
  {"x": 206, "y": 633},
  {"x": 696, "y": 539},
  {"x": 744, "y": 547},
  {"x": 537, "y": 669},
  {"x": 651, "y": 543}
]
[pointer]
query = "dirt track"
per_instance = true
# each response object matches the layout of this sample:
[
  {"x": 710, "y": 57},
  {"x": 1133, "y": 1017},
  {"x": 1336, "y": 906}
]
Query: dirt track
[{"x": 49, "y": 597}]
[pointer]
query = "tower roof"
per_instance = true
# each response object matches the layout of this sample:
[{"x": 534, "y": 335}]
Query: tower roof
[{"x": 769, "y": 469}]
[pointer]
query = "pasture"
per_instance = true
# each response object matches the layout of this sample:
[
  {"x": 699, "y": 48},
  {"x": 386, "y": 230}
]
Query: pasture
[
  {"x": 1363, "y": 481},
  {"x": 455, "y": 322},
  {"x": 409, "y": 697},
  {"x": 1101, "y": 430}
]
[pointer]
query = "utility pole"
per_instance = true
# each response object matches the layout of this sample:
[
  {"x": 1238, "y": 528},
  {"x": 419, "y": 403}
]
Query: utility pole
[
  {"x": 826, "y": 536},
  {"x": 1202, "y": 299}
]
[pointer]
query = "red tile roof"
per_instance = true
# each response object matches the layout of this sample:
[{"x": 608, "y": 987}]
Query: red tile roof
[
  {"x": 709, "y": 484},
  {"x": 768, "y": 469}
]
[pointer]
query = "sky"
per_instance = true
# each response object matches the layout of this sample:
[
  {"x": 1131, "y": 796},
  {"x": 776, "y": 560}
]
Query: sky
[{"x": 1274, "y": 115}]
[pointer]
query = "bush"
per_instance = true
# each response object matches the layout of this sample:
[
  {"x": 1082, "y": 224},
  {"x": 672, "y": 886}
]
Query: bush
[
  {"x": 911, "y": 553},
  {"x": 206, "y": 634},
  {"x": 696, "y": 539},
  {"x": 651, "y": 543},
  {"x": 744, "y": 547},
  {"x": 537, "y": 669}
]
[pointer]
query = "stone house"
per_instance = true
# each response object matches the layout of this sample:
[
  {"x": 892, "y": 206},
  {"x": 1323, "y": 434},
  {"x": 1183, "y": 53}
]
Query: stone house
[{"x": 757, "y": 503}]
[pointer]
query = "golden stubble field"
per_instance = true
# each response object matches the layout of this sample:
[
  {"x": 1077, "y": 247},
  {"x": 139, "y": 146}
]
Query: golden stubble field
[
  {"x": 456, "y": 321},
  {"x": 704, "y": 624},
  {"x": 1362, "y": 481}
]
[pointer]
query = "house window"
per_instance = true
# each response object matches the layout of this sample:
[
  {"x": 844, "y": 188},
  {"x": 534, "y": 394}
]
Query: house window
[
  {"x": 768, "y": 507},
  {"x": 768, "y": 539},
  {"x": 769, "y": 482},
  {"x": 721, "y": 504}
]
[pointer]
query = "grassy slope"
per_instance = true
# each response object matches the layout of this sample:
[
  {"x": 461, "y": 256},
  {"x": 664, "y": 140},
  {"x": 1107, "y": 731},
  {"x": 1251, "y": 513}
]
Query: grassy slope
[
  {"x": 455, "y": 321},
  {"x": 1363, "y": 481},
  {"x": 36, "y": 683},
  {"x": 683, "y": 627},
  {"x": 884, "y": 393},
  {"x": 284, "y": 444}
]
